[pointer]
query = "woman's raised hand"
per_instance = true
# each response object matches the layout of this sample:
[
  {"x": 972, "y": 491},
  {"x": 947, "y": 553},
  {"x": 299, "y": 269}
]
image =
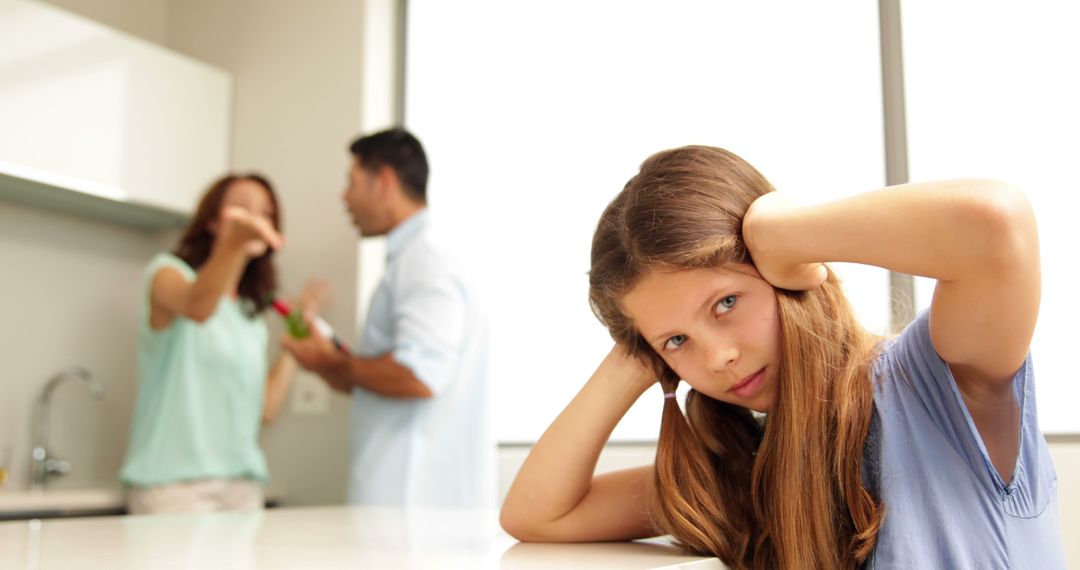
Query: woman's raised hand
[
  {"x": 250, "y": 232},
  {"x": 774, "y": 264}
]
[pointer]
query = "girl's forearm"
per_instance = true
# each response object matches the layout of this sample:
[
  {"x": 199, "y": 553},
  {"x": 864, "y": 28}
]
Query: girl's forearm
[
  {"x": 944, "y": 230},
  {"x": 559, "y": 469}
]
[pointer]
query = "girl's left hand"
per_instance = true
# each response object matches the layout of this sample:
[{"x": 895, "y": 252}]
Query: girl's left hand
[{"x": 771, "y": 261}]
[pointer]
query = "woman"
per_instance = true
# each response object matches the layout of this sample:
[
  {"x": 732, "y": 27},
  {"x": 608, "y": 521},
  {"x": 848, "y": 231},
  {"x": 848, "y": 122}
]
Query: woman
[
  {"x": 921, "y": 451},
  {"x": 202, "y": 351}
]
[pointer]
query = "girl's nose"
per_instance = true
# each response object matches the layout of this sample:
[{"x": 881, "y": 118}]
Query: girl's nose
[{"x": 722, "y": 356}]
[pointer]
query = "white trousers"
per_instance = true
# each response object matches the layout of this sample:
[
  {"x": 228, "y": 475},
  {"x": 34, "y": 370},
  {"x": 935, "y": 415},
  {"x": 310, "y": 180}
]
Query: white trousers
[{"x": 203, "y": 496}]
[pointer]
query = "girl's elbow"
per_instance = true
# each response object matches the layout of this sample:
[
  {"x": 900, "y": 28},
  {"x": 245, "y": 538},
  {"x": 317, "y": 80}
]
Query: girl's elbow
[
  {"x": 1001, "y": 204},
  {"x": 510, "y": 524},
  {"x": 516, "y": 526},
  {"x": 1008, "y": 222}
]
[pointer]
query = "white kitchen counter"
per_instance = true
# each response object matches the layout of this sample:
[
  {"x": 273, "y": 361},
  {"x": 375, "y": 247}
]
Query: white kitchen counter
[
  {"x": 322, "y": 537},
  {"x": 15, "y": 505}
]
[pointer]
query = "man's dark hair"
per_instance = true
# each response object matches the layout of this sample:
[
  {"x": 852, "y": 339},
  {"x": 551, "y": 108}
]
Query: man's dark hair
[{"x": 401, "y": 151}]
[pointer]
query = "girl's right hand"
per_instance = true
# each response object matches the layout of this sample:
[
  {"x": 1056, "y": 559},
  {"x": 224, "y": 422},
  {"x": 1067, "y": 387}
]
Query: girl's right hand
[
  {"x": 619, "y": 364},
  {"x": 249, "y": 232},
  {"x": 769, "y": 258}
]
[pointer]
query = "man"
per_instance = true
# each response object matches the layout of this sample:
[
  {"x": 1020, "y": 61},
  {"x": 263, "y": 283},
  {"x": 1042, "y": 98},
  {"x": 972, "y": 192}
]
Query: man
[{"x": 419, "y": 383}]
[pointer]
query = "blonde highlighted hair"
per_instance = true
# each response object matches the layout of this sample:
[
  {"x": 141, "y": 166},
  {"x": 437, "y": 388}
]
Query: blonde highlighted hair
[{"x": 783, "y": 493}]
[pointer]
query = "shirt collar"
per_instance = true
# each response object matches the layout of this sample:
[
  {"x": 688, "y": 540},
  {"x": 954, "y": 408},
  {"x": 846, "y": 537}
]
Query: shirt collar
[{"x": 404, "y": 232}]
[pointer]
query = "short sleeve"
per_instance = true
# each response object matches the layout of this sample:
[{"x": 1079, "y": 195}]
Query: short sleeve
[
  {"x": 945, "y": 504},
  {"x": 914, "y": 380},
  {"x": 159, "y": 262}
]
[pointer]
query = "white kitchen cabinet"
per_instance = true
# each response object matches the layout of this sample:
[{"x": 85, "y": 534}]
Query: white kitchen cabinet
[{"x": 100, "y": 123}]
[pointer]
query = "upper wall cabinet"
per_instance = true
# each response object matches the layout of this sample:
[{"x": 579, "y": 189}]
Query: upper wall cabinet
[{"x": 104, "y": 124}]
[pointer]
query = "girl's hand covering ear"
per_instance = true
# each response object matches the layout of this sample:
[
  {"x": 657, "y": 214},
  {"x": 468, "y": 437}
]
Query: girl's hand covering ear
[
  {"x": 621, "y": 365},
  {"x": 779, "y": 269}
]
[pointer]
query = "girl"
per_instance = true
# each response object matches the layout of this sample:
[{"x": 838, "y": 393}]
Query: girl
[
  {"x": 920, "y": 451},
  {"x": 203, "y": 379}
]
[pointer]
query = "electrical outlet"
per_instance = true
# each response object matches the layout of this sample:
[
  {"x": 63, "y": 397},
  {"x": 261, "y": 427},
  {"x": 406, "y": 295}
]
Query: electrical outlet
[{"x": 310, "y": 395}]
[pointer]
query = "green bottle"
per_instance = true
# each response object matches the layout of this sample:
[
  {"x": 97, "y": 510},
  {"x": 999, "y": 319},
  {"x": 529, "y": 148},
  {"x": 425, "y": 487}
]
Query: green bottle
[
  {"x": 294, "y": 321},
  {"x": 297, "y": 327}
]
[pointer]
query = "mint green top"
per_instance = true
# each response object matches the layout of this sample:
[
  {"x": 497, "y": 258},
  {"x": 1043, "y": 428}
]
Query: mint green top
[{"x": 200, "y": 399}]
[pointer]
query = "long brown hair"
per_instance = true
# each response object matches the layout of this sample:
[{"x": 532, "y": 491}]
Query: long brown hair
[
  {"x": 259, "y": 280},
  {"x": 783, "y": 493}
]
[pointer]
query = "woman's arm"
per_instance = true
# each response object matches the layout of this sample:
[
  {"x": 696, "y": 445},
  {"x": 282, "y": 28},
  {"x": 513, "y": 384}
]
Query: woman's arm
[
  {"x": 173, "y": 295},
  {"x": 277, "y": 386},
  {"x": 555, "y": 496},
  {"x": 977, "y": 238}
]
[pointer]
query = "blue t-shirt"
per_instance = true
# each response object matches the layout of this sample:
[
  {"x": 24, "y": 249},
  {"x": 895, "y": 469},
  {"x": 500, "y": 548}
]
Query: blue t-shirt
[{"x": 945, "y": 504}]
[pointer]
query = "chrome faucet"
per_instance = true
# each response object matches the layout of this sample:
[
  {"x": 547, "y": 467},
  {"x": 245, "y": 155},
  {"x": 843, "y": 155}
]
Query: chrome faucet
[{"x": 44, "y": 465}]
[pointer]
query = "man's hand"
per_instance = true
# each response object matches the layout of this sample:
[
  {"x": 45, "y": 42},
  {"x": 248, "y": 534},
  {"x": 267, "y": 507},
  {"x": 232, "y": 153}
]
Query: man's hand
[{"x": 317, "y": 354}]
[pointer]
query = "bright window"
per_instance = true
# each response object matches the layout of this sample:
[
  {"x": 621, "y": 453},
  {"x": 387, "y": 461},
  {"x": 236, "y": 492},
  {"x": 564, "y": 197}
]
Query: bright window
[
  {"x": 535, "y": 114},
  {"x": 993, "y": 92}
]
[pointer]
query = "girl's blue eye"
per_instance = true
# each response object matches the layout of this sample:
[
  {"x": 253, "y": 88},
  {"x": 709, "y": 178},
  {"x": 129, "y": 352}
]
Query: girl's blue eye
[
  {"x": 724, "y": 305},
  {"x": 675, "y": 342}
]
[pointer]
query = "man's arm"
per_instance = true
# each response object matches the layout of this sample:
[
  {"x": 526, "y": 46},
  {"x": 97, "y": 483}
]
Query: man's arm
[{"x": 382, "y": 374}]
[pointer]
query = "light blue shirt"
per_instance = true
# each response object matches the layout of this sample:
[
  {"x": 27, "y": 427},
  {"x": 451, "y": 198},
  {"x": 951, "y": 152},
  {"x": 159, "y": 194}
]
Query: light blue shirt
[
  {"x": 435, "y": 451},
  {"x": 946, "y": 506},
  {"x": 199, "y": 408}
]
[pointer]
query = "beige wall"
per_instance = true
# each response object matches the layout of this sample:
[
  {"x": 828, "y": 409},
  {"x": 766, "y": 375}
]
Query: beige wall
[
  {"x": 296, "y": 68},
  {"x": 70, "y": 291},
  {"x": 147, "y": 19},
  {"x": 296, "y": 72}
]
